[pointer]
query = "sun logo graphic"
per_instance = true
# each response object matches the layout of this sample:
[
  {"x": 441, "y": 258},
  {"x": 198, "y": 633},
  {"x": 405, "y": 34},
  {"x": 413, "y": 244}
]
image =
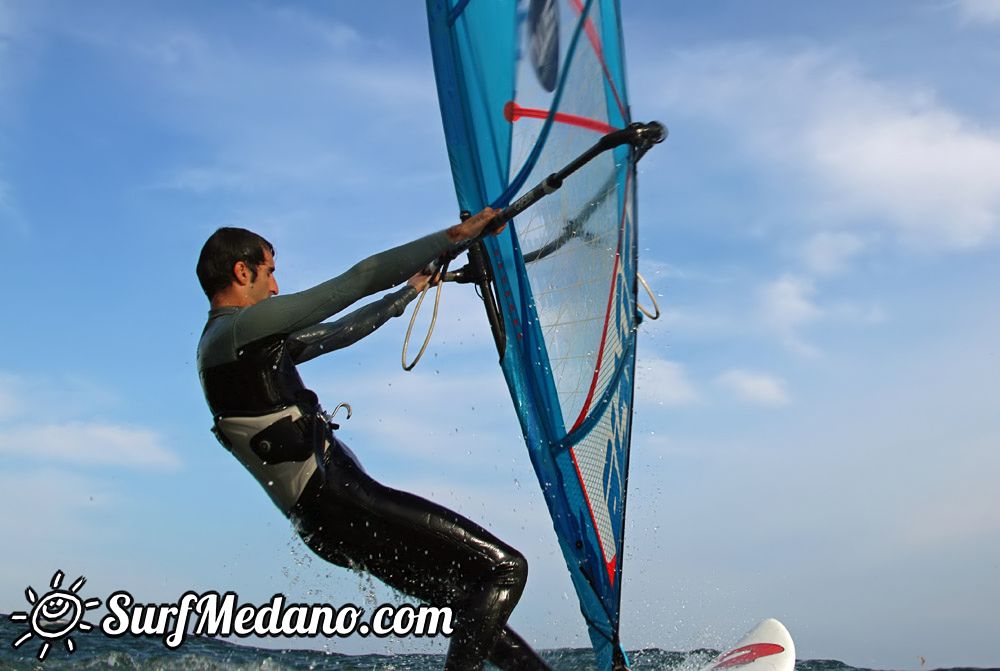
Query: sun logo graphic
[{"x": 55, "y": 615}]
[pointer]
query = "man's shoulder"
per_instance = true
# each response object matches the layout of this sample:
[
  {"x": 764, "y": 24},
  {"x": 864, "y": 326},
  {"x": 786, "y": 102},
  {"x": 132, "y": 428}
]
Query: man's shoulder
[{"x": 216, "y": 344}]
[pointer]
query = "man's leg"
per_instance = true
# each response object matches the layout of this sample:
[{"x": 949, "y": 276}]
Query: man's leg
[
  {"x": 512, "y": 653},
  {"x": 422, "y": 549}
]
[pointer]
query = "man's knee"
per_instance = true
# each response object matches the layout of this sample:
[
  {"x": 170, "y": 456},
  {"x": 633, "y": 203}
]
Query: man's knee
[{"x": 513, "y": 569}]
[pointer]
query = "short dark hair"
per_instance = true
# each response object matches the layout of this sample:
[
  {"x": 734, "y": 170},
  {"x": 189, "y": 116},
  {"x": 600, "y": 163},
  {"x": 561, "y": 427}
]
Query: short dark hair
[{"x": 223, "y": 250}]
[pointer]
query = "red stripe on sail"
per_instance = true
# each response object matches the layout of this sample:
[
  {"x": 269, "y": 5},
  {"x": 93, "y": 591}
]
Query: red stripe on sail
[
  {"x": 595, "y": 42},
  {"x": 512, "y": 112},
  {"x": 609, "y": 565},
  {"x": 607, "y": 315}
]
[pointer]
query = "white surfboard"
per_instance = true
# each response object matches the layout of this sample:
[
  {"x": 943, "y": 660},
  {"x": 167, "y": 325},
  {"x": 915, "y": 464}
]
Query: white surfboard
[{"x": 767, "y": 647}]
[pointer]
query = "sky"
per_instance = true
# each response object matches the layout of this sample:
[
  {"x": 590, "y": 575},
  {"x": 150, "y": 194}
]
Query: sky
[{"x": 815, "y": 429}]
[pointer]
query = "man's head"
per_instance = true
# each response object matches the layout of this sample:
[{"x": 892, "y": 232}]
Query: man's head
[{"x": 237, "y": 261}]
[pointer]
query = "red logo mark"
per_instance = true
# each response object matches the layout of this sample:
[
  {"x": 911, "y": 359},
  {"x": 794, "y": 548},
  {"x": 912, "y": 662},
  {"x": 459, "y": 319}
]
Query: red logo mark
[{"x": 747, "y": 654}]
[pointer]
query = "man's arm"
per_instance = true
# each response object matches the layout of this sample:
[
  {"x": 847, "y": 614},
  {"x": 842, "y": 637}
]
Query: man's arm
[
  {"x": 292, "y": 312},
  {"x": 310, "y": 342}
]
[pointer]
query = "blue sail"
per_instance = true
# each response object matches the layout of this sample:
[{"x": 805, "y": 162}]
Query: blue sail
[{"x": 525, "y": 87}]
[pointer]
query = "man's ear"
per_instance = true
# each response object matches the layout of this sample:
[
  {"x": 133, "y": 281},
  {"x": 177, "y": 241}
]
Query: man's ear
[{"x": 241, "y": 273}]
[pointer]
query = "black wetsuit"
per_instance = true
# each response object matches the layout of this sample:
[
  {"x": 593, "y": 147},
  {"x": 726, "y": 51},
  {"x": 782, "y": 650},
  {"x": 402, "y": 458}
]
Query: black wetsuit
[{"x": 271, "y": 422}]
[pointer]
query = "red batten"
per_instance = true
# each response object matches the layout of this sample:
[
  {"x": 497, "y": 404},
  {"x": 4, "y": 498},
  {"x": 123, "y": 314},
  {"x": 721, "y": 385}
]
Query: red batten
[{"x": 512, "y": 112}]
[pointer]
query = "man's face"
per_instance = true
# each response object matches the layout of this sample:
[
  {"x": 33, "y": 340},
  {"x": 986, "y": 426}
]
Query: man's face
[{"x": 264, "y": 286}]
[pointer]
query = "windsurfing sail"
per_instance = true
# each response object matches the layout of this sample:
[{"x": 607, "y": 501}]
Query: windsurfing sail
[{"x": 524, "y": 87}]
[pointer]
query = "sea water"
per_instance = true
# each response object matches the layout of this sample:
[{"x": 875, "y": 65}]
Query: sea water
[{"x": 94, "y": 650}]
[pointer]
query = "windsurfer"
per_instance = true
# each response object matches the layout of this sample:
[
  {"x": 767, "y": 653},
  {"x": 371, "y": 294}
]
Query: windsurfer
[{"x": 274, "y": 425}]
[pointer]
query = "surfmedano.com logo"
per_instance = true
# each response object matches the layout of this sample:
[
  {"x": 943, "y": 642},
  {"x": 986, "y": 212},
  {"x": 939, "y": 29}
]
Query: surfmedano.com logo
[{"x": 56, "y": 615}]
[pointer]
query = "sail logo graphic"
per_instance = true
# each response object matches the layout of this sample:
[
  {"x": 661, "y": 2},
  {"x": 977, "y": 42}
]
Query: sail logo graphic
[
  {"x": 55, "y": 616},
  {"x": 543, "y": 32}
]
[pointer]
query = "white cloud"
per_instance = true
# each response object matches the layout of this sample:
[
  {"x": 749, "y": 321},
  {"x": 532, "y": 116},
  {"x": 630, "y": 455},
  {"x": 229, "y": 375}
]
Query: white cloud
[
  {"x": 828, "y": 253},
  {"x": 786, "y": 307},
  {"x": 755, "y": 387},
  {"x": 657, "y": 272},
  {"x": 77, "y": 438},
  {"x": 305, "y": 103},
  {"x": 88, "y": 443},
  {"x": 248, "y": 172},
  {"x": 861, "y": 149},
  {"x": 923, "y": 168},
  {"x": 853, "y": 313},
  {"x": 980, "y": 11},
  {"x": 336, "y": 34},
  {"x": 75, "y": 398},
  {"x": 662, "y": 274},
  {"x": 10, "y": 403},
  {"x": 699, "y": 322},
  {"x": 662, "y": 383}
]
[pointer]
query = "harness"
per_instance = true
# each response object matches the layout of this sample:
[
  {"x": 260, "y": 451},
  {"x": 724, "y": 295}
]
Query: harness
[{"x": 269, "y": 420}]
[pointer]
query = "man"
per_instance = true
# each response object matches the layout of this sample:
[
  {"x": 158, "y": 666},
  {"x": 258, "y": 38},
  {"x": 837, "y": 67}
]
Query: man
[{"x": 268, "y": 419}]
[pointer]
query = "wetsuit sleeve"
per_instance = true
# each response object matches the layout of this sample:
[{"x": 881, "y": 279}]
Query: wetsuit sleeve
[
  {"x": 293, "y": 312},
  {"x": 310, "y": 342}
]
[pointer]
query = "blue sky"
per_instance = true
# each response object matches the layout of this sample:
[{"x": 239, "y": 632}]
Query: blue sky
[{"x": 815, "y": 430}]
